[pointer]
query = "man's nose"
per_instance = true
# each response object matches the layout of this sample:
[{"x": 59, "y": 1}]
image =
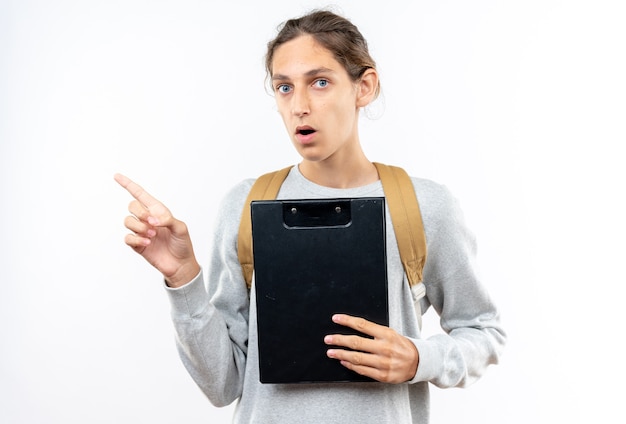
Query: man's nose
[{"x": 300, "y": 103}]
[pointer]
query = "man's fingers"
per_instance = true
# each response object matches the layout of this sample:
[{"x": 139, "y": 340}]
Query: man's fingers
[
  {"x": 137, "y": 242},
  {"x": 360, "y": 324},
  {"x": 355, "y": 358},
  {"x": 388, "y": 357},
  {"x": 136, "y": 190},
  {"x": 363, "y": 363},
  {"x": 139, "y": 227},
  {"x": 145, "y": 207},
  {"x": 137, "y": 209},
  {"x": 356, "y": 343}
]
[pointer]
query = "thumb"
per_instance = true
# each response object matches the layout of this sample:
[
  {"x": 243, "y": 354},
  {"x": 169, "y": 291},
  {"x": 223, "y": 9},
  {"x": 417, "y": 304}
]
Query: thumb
[{"x": 166, "y": 220}]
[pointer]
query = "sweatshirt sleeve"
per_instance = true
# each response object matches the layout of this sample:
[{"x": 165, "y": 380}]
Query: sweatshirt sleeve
[
  {"x": 473, "y": 337},
  {"x": 211, "y": 322}
]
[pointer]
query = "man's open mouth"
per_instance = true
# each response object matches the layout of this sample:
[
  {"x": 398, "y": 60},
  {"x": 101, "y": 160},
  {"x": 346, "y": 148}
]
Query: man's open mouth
[{"x": 305, "y": 130}]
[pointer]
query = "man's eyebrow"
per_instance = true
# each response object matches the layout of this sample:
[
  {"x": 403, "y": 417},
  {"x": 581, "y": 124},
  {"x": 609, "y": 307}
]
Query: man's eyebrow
[{"x": 311, "y": 73}]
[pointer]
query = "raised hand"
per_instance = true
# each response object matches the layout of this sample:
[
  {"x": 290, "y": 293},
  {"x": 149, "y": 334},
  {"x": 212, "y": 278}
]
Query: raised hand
[
  {"x": 159, "y": 237},
  {"x": 388, "y": 357}
]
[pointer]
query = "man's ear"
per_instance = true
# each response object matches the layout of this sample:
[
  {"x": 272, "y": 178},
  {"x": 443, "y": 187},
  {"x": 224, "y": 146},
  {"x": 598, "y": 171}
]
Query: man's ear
[{"x": 367, "y": 88}]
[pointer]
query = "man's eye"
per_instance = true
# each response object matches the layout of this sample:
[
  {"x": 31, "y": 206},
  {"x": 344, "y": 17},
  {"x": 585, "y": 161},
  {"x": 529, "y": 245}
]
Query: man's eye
[
  {"x": 283, "y": 89},
  {"x": 321, "y": 83}
]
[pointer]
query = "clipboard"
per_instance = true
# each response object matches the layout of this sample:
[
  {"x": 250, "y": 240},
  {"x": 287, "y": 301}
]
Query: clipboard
[{"x": 312, "y": 259}]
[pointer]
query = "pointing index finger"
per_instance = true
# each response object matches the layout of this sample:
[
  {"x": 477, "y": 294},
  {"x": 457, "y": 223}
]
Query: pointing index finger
[{"x": 136, "y": 190}]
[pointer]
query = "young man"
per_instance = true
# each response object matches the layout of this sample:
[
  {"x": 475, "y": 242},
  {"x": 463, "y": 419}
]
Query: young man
[{"x": 322, "y": 75}]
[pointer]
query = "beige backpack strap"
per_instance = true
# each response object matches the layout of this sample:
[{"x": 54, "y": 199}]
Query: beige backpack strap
[
  {"x": 266, "y": 187},
  {"x": 406, "y": 219}
]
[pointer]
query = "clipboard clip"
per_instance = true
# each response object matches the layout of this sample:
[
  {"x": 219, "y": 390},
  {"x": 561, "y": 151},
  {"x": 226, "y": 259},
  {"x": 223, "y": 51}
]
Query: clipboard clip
[{"x": 315, "y": 214}]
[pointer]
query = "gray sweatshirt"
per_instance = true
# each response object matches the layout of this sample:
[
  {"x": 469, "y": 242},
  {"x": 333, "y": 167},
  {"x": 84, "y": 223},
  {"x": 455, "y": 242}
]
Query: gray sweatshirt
[{"x": 216, "y": 327}]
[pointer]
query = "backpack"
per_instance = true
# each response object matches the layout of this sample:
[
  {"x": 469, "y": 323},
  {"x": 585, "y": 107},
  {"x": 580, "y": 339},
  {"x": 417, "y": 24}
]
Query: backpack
[{"x": 403, "y": 208}]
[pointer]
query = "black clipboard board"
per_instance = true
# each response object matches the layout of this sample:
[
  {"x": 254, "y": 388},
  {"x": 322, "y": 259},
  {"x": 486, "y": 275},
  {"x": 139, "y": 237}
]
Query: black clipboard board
[{"x": 312, "y": 259}]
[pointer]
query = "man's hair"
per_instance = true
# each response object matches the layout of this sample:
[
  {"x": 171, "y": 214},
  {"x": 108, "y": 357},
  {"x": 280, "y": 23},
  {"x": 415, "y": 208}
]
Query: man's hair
[{"x": 335, "y": 33}]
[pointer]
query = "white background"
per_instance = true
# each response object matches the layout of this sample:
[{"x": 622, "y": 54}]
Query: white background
[{"x": 517, "y": 106}]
